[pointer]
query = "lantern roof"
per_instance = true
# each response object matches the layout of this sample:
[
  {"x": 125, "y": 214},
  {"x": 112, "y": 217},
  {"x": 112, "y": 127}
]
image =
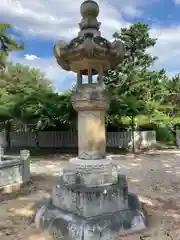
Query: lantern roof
[{"x": 89, "y": 46}]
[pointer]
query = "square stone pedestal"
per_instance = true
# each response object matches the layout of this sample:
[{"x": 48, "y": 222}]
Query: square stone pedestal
[{"x": 91, "y": 202}]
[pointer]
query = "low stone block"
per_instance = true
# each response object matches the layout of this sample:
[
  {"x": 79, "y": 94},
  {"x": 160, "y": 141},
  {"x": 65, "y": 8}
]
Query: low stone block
[
  {"x": 14, "y": 170},
  {"x": 91, "y": 201},
  {"x": 10, "y": 172}
]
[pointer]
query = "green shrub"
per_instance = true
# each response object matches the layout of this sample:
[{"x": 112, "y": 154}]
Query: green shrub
[
  {"x": 164, "y": 134},
  {"x": 164, "y": 126},
  {"x": 147, "y": 127}
]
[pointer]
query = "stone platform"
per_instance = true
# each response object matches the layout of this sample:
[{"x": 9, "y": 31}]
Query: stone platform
[
  {"x": 91, "y": 201},
  {"x": 67, "y": 225}
]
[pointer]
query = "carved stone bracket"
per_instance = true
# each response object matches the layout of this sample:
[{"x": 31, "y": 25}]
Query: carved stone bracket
[{"x": 90, "y": 97}]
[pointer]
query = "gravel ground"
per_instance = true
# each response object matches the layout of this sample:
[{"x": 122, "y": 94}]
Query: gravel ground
[{"x": 154, "y": 176}]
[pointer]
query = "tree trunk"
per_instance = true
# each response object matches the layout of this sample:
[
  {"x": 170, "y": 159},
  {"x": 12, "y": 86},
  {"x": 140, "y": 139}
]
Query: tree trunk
[
  {"x": 7, "y": 132},
  {"x": 133, "y": 139},
  {"x": 37, "y": 139}
]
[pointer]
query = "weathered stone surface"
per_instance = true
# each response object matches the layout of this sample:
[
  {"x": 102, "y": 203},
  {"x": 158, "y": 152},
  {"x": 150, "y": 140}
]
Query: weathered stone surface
[
  {"x": 10, "y": 174},
  {"x": 91, "y": 135},
  {"x": 89, "y": 45},
  {"x": 78, "y": 209},
  {"x": 24, "y": 156},
  {"x": 90, "y": 97},
  {"x": 14, "y": 169},
  {"x": 62, "y": 224},
  {"x": 91, "y": 201},
  {"x": 90, "y": 172},
  {"x": 91, "y": 102}
]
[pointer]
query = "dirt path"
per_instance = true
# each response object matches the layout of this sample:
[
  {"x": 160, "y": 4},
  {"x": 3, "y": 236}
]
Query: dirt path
[{"x": 155, "y": 177}]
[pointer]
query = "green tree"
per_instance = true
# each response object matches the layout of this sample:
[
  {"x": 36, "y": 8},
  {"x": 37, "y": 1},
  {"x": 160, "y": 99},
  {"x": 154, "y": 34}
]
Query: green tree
[
  {"x": 43, "y": 110},
  {"x": 137, "y": 41},
  {"x": 133, "y": 77},
  {"x": 32, "y": 101},
  {"x": 17, "y": 85},
  {"x": 24, "y": 79},
  {"x": 7, "y": 44},
  {"x": 172, "y": 86}
]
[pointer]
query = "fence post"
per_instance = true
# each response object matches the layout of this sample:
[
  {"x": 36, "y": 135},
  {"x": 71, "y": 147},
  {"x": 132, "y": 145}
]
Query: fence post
[
  {"x": 1, "y": 153},
  {"x": 24, "y": 155}
]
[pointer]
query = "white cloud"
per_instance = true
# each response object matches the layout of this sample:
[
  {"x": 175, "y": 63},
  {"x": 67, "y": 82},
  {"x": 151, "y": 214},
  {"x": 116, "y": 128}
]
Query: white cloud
[
  {"x": 131, "y": 11},
  {"x": 56, "y": 19},
  {"x": 46, "y": 65},
  {"x": 167, "y": 48},
  {"x": 59, "y": 18},
  {"x": 30, "y": 57}
]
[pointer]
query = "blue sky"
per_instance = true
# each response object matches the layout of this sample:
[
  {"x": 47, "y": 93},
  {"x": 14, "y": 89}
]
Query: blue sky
[{"x": 40, "y": 23}]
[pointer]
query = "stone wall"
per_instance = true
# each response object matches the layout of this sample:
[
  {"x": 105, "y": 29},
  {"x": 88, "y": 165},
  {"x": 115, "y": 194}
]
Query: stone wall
[{"x": 14, "y": 169}]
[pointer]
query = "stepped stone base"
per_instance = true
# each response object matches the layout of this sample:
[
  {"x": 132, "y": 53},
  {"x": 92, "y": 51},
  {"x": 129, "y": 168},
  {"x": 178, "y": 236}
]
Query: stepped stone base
[
  {"x": 66, "y": 225},
  {"x": 91, "y": 201}
]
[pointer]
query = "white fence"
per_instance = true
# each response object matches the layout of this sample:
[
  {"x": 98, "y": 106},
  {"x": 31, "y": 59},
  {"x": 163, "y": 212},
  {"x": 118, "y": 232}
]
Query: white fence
[
  {"x": 65, "y": 139},
  {"x": 178, "y": 138}
]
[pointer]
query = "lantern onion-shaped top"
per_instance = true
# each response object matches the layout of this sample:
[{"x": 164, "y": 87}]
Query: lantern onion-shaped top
[{"x": 89, "y": 46}]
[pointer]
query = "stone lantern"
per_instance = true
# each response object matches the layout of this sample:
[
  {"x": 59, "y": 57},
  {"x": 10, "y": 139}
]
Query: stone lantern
[
  {"x": 87, "y": 55},
  {"x": 90, "y": 199}
]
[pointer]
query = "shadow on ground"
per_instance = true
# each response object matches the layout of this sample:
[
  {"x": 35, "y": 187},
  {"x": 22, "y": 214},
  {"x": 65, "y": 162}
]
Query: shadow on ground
[{"x": 17, "y": 210}]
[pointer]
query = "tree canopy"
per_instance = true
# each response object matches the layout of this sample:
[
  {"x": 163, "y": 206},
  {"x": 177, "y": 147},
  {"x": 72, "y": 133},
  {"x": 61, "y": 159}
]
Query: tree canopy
[
  {"x": 7, "y": 44},
  {"x": 29, "y": 97},
  {"x": 138, "y": 93}
]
